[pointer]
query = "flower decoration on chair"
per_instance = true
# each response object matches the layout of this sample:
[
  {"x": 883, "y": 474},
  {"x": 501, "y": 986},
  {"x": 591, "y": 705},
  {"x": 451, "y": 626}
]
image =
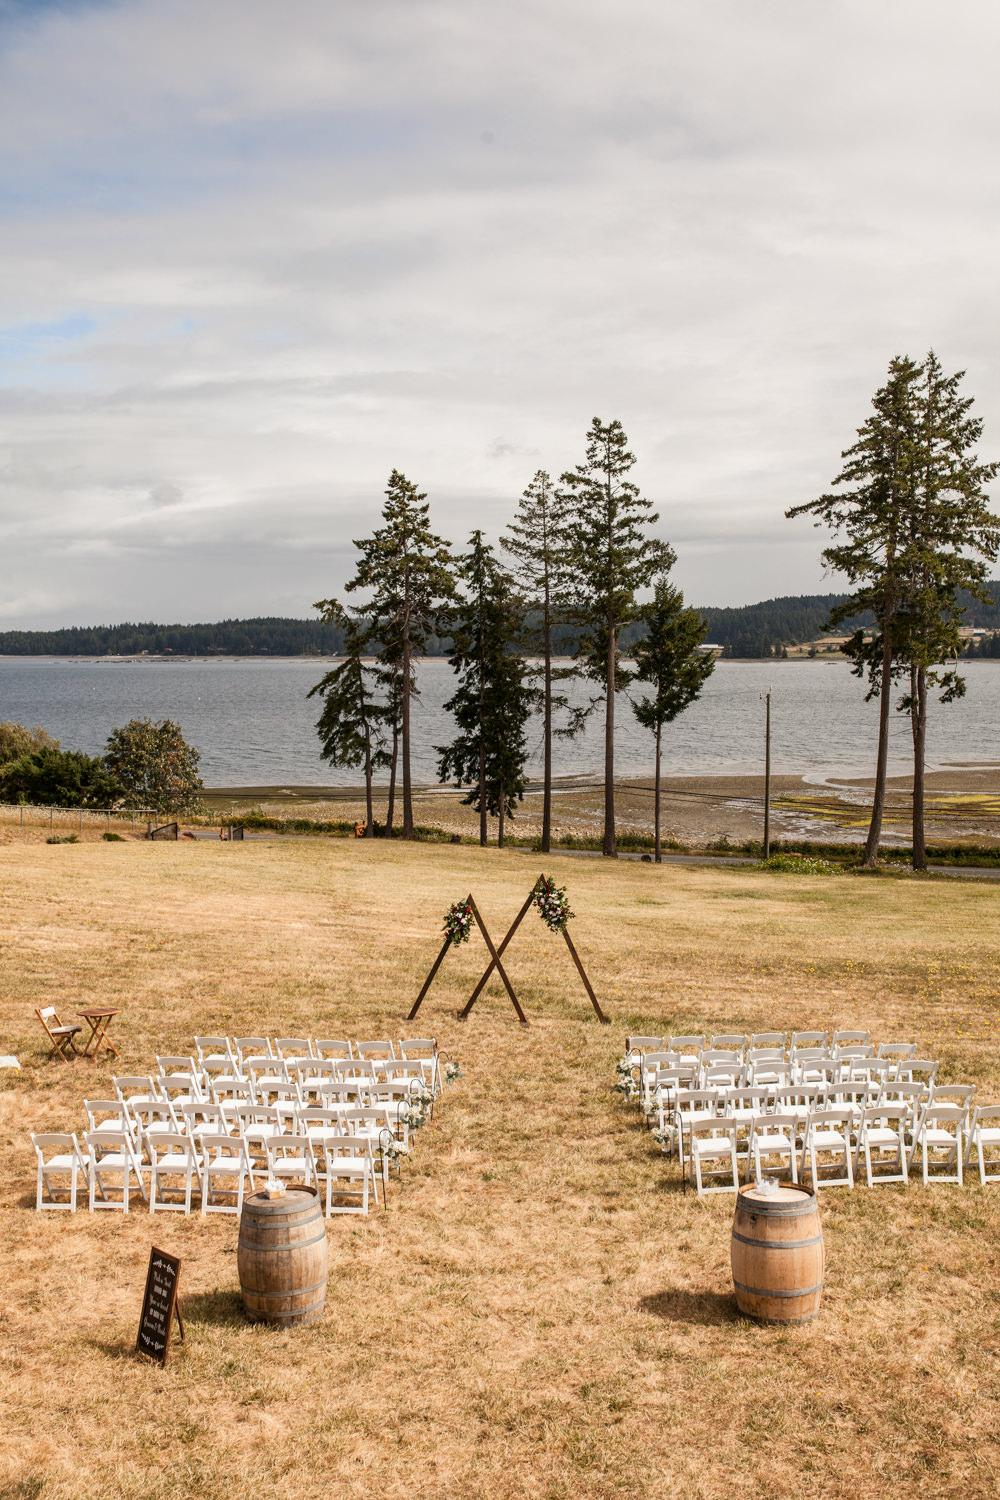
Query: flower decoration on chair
[
  {"x": 625, "y": 1083},
  {"x": 418, "y": 1105},
  {"x": 553, "y": 904},
  {"x": 458, "y": 922},
  {"x": 452, "y": 1072}
]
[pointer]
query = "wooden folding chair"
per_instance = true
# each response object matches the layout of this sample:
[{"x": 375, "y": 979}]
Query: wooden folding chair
[{"x": 59, "y": 1035}]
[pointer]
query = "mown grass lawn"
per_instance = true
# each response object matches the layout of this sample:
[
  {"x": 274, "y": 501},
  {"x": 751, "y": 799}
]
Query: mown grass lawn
[{"x": 541, "y": 1311}]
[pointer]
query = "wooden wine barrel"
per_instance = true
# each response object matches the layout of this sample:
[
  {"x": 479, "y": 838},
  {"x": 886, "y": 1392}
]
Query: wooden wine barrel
[
  {"x": 777, "y": 1254},
  {"x": 282, "y": 1257}
]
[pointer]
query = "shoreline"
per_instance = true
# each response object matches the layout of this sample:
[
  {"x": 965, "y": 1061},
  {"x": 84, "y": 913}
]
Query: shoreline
[{"x": 962, "y": 806}]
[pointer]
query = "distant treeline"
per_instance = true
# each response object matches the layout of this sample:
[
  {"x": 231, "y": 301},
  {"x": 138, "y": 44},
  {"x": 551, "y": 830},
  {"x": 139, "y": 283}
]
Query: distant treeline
[{"x": 750, "y": 630}]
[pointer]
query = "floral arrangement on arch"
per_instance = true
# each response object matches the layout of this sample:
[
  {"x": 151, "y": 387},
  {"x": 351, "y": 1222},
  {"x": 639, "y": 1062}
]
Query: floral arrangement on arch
[
  {"x": 553, "y": 904},
  {"x": 458, "y": 922}
]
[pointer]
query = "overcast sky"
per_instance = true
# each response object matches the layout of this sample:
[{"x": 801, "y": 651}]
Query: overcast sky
[{"x": 253, "y": 255}]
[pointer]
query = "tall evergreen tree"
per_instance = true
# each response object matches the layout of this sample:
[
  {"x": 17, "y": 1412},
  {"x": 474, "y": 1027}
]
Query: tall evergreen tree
[
  {"x": 610, "y": 559},
  {"x": 408, "y": 570},
  {"x": 536, "y": 539},
  {"x": 353, "y": 720},
  {"x": 493, "y": 700},
  {"x": 950, "y": 536},
  {"x": 866, "y": 513},
  {"x": 670, "y": 659}
]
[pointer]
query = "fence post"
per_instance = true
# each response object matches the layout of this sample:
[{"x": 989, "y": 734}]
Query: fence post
[
  {"x": 22, "y": 814},
  {"x": 81, "y": 820}
]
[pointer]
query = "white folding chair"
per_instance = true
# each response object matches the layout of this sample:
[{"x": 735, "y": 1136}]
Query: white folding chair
[
  {"x": 334, "y": 1047},
  {"x": 179, "y": 1080},
  {"x": 984, "y": 1137},
  {"x": 216, "y": 1050},
  {"x": 110, "y": 1159},
  {"x": 204, "y": 1118},
  {"x": 264, "y": 1072},
  {"x": 850, "y": 1039},
  {"x": 881, "y": 1140},
  {"x": 251, "y": 1046},
  {"x": 768, "y": 1040},
  {"x": 225, "y": 1157},
  {"x": 345, "y": 1166},
  {"x": 137, "y": 1088},
  {"x": 377, "y": 1050},
  {"x": 59, "y": 1156},
  {"x": 691, "y": 1105},
  {"x": 734, "y": 1041},
  {"x": 897, "y": 1050},
  {"x": 688, "y": 1048},
  {"x": 774, "y": 1138},
  {"x": 291, "y": 1158},
  {"x": 228, "y": 1094},
  {"x": 811, "y": 1041},
  {"x": 714, "y": 1141},
  {"x": 171, "y": 1156},
  {"x": 962, "y": 1094},
  {"x": 288, "y": 1047},
  {"x": 112, "y": 1117},
  {"x": 942, "y": 1142},
  {"x": 828, "y": 1134}
]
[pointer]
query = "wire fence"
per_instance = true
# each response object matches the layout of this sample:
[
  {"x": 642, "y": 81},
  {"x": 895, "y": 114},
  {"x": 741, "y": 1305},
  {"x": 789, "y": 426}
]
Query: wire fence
[{"x": 35, "y": 815}]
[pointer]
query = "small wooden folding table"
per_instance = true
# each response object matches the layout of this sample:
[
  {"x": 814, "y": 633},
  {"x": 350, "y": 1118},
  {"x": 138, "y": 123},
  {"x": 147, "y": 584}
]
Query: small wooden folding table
[{"x": 98, "y": 1018}]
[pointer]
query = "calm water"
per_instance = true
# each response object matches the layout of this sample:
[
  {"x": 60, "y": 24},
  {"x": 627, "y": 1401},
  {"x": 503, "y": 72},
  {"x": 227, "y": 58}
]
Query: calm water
[{"x": 253, "y": 724}]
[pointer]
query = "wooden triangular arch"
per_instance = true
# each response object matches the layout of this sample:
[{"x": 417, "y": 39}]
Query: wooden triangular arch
[{"x": 495, "y": 963}]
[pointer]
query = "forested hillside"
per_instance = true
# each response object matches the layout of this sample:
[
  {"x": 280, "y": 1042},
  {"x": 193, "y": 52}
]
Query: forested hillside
[{"x": 750, "y": 630}]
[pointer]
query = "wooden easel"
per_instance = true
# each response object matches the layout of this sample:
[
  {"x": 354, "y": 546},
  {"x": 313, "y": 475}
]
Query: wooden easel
[
  {"x": 495, "y": 963},
  {"x": 463, "y": 1014}
]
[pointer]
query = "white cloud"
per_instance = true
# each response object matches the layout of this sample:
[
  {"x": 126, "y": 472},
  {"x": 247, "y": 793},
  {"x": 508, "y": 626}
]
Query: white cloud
[{"x": 253, "y": 256}]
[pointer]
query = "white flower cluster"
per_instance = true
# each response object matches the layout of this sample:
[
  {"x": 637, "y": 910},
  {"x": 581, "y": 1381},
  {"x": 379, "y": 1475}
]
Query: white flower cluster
[
  {"x": 553, "y": 904},
  {"x": 458, "y": 922},
  {"x": 452, "y": 1072},
  {"x": 625, "y": 1083},
  {"x": 418, "y": 1106}
]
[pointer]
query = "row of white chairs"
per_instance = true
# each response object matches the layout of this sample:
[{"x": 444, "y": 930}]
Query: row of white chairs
[
  {"x": 179, "y": 1078},
  {"x": 833, "y": 1143},
  {"x": 788, "y": 1043},
  {"x": 717, "y": 1069},
  {"x": 235, "y": 1050},
  {"x": 343, "y": 1167}
]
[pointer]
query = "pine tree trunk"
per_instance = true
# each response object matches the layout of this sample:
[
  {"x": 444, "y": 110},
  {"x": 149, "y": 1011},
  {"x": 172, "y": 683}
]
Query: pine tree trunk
[
  {"x": 390, "y": 811},
  {"x": 610, "y": 848},
  {"x": 483, "y": 825},
  {"x": 369, "y": 810},
  {"x": 882, "y": 757},
  {"x": 407, "y": 788},
  {"x": 547, "y": 728},
  {"x": 657, "y": 852},
  {"x": 500, "y": 821},
  {"x": 919, "y": 711}
]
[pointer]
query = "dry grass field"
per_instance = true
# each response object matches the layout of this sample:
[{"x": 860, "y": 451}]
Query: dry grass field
[{"x": 541, "y": 1312}]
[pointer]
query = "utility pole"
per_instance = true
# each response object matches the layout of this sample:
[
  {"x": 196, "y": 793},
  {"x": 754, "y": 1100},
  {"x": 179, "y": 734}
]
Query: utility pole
[{"x": 767, "y": 774}]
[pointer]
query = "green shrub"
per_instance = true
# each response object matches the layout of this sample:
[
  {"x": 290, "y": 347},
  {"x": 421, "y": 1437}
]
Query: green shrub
[
  {"x": 797, "y": 864},
  {"x": 112, "y": 838},
  {"x": 62, "y": 838}
]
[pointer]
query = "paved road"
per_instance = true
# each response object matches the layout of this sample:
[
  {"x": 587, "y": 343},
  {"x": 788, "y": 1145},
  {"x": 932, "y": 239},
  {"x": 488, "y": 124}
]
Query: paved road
[{"x": 955, "y": 872}]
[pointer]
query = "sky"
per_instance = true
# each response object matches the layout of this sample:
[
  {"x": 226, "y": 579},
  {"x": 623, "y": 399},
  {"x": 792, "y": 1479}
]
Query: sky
[{"x": 253, "y": 256}]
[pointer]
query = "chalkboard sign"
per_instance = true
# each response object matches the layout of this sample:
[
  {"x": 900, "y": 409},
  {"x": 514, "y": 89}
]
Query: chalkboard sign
[{"x": 159, "y": 1305}]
